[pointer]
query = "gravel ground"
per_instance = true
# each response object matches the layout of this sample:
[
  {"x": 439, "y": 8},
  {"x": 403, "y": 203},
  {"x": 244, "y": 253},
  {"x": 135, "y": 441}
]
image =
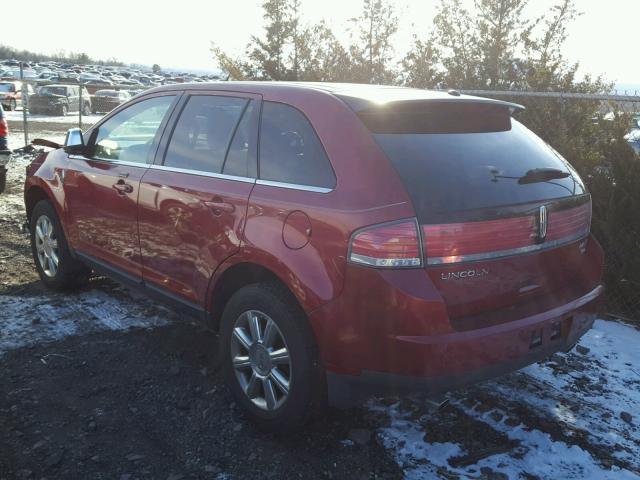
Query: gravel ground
[{"x": 104, "y": 383}]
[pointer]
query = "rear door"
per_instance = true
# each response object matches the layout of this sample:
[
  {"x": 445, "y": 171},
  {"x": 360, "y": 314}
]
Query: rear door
[
  {"x": 101, "y": 188},
  {"x": 504, "y": 219},
  {"x": 193, "y": 200}
]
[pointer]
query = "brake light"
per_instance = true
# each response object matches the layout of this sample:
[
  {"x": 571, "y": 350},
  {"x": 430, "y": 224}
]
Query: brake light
[
  {"x": 471, "y": 241},
  {"x": 4, "y": 128},
  {"x": 391, "y": 245}
]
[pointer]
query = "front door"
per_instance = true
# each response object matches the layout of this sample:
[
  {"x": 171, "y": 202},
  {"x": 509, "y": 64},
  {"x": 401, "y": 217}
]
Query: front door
[
  {"x": 193, "y": 201},
  {"x": 101, "y": 188}
]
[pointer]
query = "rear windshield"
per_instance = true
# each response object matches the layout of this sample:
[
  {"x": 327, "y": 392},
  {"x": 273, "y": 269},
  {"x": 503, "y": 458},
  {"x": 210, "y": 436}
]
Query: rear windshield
[{"x": 454, "y": 172}]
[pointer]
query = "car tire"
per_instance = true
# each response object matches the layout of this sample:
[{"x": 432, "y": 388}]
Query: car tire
[
  {"x": 56, "y": 266},
  {"x": 273, "y": 370}
]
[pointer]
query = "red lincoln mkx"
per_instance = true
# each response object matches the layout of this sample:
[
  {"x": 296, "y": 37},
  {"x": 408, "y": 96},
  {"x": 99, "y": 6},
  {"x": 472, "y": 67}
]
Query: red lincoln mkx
[{"x": 347, "y": 240}]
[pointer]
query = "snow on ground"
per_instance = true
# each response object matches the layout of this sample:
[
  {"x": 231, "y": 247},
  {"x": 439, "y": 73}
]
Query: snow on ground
[
  {"x": 38, "y": 319},
  {"x": 16, "y": 116},
  {"x": 562, "y": 418}
]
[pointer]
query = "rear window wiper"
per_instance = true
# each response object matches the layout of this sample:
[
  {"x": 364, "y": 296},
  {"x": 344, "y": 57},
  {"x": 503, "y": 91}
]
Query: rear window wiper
[{"x": 542, "y": 175}]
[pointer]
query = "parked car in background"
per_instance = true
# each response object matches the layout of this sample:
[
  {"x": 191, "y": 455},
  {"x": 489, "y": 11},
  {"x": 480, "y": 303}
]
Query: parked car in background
[
  {"x": 106, "y": 100},
  {"x": 15, "y": 74},
  {"x": 633, "y": 138},
  {"x": 353, "y": 247},
  {"x": 60, "y": 100},
  {"x": 11, "y": 94},
  {"x": 5, "y": 153}
]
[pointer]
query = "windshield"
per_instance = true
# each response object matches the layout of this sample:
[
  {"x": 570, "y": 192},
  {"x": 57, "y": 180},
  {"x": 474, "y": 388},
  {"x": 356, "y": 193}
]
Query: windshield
[{"x": 53, "y": 91}]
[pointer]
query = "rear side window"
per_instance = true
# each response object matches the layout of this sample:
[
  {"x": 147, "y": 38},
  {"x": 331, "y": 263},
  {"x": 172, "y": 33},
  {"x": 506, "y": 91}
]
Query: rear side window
[
  {"x": 290, "y": 151},
  {"x": 203, "y": 133}
]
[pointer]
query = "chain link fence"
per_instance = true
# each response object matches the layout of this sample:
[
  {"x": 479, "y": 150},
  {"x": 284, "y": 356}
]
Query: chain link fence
[
  {"x": 32, "y": 105},
  {"x": 616, "y": 195}
]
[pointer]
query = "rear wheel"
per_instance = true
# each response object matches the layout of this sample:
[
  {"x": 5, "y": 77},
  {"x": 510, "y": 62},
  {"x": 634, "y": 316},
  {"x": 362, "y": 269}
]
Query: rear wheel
[
  {"x": 270, "y": 359},
  {"x": 55, "y": 265}
]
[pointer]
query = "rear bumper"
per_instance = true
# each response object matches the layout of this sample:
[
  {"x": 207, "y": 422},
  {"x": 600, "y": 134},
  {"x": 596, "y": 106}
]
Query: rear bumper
[{"x": 452, "y": 360}]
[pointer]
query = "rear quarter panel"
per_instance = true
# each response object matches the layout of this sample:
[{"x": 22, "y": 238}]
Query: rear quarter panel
[{"x": 367, "y": 192}]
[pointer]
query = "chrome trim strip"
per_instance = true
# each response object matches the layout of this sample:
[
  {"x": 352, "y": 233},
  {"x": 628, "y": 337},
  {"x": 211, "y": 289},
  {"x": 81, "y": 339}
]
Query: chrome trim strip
[
  {"x": 114, "y": 162},
  {"x": 293, "y": 186},
  {"x": 505, "y": 253},
  {"x": 200, "y": 173}
]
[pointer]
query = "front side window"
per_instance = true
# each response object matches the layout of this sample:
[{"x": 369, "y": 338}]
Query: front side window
[
  {"x": 203, "y": 132},
  {"x": 129, "y": 135},
  {"x": 290, "y": 151}
]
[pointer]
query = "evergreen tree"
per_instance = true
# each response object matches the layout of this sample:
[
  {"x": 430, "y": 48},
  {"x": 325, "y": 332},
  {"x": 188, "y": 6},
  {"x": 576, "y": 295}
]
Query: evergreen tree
[
  {"x": 269, "y": 53},
  {"x": 420, "y": 66},
  {"x": 372, "y": 52}
]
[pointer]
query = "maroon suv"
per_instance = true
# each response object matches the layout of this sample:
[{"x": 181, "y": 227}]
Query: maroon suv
[{"x": 348, "y": 240}]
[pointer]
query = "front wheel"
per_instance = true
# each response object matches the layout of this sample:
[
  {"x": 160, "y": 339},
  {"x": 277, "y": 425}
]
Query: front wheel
[
  {"x": 270, "y": 358},
  {"x": 56, "y": 266}
]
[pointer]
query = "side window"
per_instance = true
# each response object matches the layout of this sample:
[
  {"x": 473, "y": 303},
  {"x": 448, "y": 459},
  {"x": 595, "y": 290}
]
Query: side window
[
  {"x": 203, "y": 132},
  {"x": 241, "y": 159},
  {"x": 129, "y": 134},
  {"x": 290, "y": 150}
]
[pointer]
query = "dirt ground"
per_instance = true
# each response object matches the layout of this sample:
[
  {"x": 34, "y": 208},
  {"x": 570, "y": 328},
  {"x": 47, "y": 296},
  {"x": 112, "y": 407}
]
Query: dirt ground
[{"x": 106, "y": 384}]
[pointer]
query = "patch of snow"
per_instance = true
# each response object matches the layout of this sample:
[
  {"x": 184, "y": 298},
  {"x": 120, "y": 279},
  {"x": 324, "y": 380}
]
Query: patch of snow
[
  {"x": 568, "y": 400},
  {"x": 30, "y": 320},
  {"x": 16, "y": 116}
]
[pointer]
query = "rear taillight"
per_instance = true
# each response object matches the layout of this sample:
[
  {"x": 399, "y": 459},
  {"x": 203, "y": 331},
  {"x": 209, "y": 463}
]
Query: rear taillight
[
  {"x": 472, "y": 241},
  {"x": 390, "y": 245},
  {"x": 4, "y": 128}
]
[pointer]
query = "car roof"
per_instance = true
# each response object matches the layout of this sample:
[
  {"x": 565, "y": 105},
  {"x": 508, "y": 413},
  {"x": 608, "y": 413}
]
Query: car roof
[{"x": 359, "y": 96}]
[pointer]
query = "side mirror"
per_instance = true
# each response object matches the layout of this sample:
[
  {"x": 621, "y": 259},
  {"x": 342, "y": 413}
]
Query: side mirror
[{"x": 74, "y": 141}]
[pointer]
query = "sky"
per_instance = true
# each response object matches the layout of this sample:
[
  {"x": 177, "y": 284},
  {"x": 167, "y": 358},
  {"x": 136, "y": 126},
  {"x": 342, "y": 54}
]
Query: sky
[{"x": 604, "y": 39}]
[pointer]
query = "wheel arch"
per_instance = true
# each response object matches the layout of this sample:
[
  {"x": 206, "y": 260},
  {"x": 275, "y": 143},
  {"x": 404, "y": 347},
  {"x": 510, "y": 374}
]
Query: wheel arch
[
  {"x": 235, "y": 276},
  {"x": 32, "y": 196}
]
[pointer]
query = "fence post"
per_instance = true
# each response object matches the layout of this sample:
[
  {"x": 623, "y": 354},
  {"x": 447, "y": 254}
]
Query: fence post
[
  {"x": 25, "y": 102},
  {"x": 80, "y": 108}
]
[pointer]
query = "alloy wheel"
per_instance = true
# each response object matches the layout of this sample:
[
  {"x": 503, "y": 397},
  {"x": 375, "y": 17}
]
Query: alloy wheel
[
  {"x": 47, "y": 246},
  {"x": 261, "y": 360}
]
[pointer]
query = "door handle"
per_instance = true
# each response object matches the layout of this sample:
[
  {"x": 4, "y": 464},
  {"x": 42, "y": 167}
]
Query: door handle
[
  {"x": 123, "y": 188},
  {"x": 123, "y": 175},
  {"x": 218, "y": 206}
]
